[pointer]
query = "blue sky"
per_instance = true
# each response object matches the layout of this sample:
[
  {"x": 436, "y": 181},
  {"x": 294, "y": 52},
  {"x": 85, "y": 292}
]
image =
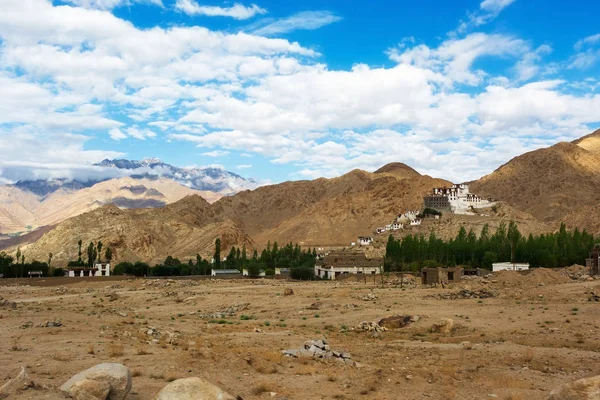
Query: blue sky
[{"x": 293, "y": 90}]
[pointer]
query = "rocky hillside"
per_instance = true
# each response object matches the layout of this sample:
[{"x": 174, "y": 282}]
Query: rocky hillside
[
  {"x": 22, "y": 210},
  {"x": 547, "y": 183},
  {"x": 322, "y": 211}
]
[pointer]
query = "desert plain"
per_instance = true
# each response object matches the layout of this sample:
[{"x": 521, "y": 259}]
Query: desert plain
[{"x": 512, "y": 336}]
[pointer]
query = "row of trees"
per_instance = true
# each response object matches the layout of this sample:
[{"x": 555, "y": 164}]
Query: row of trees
[
  {"x": 94, "y": 253},
  {"x": 506, "y": 244},
  {"x": 301, "y": 262}
]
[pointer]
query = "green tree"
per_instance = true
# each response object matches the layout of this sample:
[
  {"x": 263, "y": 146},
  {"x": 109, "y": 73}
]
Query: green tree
[
  {"x": 79, "y": 260},
  {"x": 49, "y": 260},
  {"x": 108, "y": 254},
  {"x": 217, "y": 255},
  {"x": 92, "y": 254},
  {"x": 513, "y": 236},
  {"x": 99, "y": 251}
]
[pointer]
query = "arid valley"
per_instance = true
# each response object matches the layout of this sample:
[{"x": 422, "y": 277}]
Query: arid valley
[{"x": 512, "y": 336}]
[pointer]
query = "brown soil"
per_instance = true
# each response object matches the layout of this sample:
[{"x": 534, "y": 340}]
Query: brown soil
[{"x": 518, "y": 345}]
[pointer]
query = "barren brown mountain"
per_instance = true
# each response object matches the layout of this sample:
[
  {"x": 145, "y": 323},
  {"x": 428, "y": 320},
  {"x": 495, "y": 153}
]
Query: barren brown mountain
[
  {"x": 547, "y": 183},
  {"x": 323, "y": 211},
  {"x": 21, "y": 210}
]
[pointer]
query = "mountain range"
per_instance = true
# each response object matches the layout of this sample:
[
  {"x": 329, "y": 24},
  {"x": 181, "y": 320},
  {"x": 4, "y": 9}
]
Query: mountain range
[
  {"x": 150, "y": 183},
  {"x": 540, "y": 190}
]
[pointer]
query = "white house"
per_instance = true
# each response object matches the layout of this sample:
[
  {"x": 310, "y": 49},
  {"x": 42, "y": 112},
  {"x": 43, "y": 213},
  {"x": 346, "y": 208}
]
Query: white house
[
  {"x": 397, "y": 226},
  {"x": 508, "y": 266},
  {"x": 415, "y": 222},
  {"x": 224, "y": 272},
  {"x": 340, "y": 263},
  {"x": 99, "y": 269},
  {"x": 260, "y": 273},
  {"x": 365, "y": 240}
]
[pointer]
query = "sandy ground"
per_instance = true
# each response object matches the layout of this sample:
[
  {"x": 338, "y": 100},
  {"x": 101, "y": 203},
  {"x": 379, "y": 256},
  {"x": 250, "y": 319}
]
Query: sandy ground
[{"x": 536, "y": 334}]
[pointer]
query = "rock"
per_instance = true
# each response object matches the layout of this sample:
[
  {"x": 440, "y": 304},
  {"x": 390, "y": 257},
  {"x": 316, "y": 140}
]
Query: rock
[
  {"x": 89, "y": 389},
  {"x": 582, "y": 389},
  {"x": 288, "y": 292},
  {"x": 395, "y": 321},
  {"x": 18, "y": 384},
  {"x": 314, "y": 306},
  {"x": 444, "y": 326},
  {"x": 192, "y": 389},
  {"x": 116, "y": 375}
]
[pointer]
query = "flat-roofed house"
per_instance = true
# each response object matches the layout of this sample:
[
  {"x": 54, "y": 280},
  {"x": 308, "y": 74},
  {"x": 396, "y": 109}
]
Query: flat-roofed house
[{"x": 338, "y": 263}]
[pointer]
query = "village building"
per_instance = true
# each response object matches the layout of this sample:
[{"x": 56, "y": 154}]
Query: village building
[
  {"x": 99, "y": 269},
  {"x": 432, "y": 276},
  {"x": 508, "y": 266},
  {"x": 338, "y": 263},
  {"x": 35, "y": 274},
  {"x": 282, "y": 271},
  {"x": 593, "y": 262},
  {"x": 224, "y": 273},
  {"x": 456, "y": 199},
  {"x": 365, "y": 240},
  {"x": 415, "y": 222},
  {"x": 261, "y": 272}
]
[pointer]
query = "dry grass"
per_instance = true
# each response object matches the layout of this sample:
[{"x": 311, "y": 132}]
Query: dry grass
[
  {"x": 261, "y": 388},
  {"x": 306, "y": 370},
  {"x": 136, "y": 372},
  {"x": 115, "y": 349}
]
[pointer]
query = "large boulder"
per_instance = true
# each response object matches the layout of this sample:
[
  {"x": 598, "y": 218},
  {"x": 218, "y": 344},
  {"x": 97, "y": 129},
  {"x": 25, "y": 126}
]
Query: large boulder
[
  {"x": 192, "y": 389},
  {"x": 582, "y": 389},
  {"x": 116, "y": 375},
  {"x": 88, "y": 389},
  {"x": 395, "y": 321},
  {"x": 444, "y": 326},
  {"x": 16, "y": 385}
]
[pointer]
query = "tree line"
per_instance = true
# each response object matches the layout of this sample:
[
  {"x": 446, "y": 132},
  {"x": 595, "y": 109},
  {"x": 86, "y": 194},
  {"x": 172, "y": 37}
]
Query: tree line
[
  {"x": 550, "y": 250},
  {"x": 300, "y": 262}
]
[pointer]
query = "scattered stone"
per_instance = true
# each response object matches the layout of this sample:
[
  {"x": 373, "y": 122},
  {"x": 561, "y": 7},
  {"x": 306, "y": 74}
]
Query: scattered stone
[
  {"x": 229, "y": 311},
  {"x": 397, "y": 321},
  {"x": 26, "y": 325},
  {"x": 318, "y": 348},
  {"x": 89, "y": 389},
  {"x": 7, "y": 304},
  {"x": 113, "y": 296},
  {"x": 50, "y": 324},
  {"x": 366, "y": 326},
  {"x": 594, "y": 296},
  {"x": 444, "y": 326},
  {"x": 116, "y": 375},
  {"x": 16, "y": 385},
  {"x": 582, "y": 389},
  {"x": 288, "y": 292},
  {"x": 315, "y": 306},
  {"x": 192, "y": 389},
  {"x": 369, "y": 297},
  {"x": 465, "y": 294}
]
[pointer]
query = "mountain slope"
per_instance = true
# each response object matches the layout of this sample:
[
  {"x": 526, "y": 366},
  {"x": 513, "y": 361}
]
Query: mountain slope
[
  {"x": 323, "y": 211},
  {"x": 182, "y": 229},
  {"x": 547, "y": 183},
  {"x": 590, "y": 142},
  {"x": 22, "y": 209}
]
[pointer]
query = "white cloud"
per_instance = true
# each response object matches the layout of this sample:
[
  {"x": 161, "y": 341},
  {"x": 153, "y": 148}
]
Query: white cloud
[
  {"x": 117, "y": 134},
  {"x": 237, "y": 11},
  {"x": 529, "y": 66},
  {"x": 588, "y": 41},
  {"x": 110, "y": 4},
  {"x": 85, "y": 72},
  {"x": 488, "y": 10},
  {"x": 306, "y": 20},
  {"x": 455, "y": 57},
  {"x": 216, "y": 153},
  {"x": 244, "y": 166}
]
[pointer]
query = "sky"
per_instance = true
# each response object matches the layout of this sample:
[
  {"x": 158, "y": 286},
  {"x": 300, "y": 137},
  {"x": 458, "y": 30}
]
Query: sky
[{"x": 293, "y": 90}]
